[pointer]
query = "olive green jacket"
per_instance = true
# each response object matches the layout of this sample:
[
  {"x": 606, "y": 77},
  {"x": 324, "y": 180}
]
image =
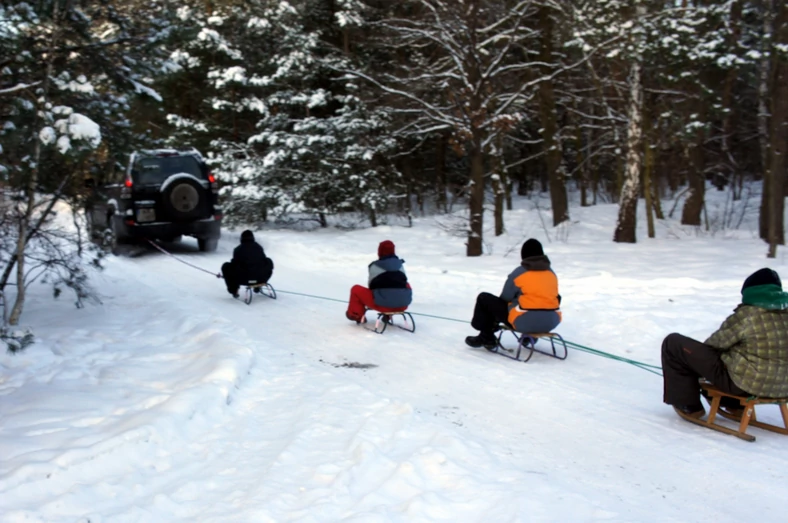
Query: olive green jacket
[{"x": 754, "y": 341}]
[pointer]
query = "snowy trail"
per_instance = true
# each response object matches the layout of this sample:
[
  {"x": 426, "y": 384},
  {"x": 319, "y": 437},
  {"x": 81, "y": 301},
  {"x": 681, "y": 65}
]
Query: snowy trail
[{"x": 433, "y": 432}]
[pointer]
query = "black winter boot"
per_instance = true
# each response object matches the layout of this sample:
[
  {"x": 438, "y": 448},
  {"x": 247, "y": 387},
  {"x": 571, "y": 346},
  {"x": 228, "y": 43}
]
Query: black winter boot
[
  {"x": 693, "y": 411},
  {"x": 488, "y": 342}
]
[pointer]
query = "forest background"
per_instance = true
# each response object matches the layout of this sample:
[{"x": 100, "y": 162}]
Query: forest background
[{"x": 309, "y": 110}]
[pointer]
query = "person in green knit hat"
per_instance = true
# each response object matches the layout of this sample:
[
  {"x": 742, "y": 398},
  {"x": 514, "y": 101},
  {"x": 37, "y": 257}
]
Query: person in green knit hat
[{"x": 747, "y": 355}]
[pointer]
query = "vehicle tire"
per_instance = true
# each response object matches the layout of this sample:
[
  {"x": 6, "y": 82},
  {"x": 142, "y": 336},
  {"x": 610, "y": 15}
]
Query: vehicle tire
[
  {"x": 207, "y": 244},
  {"x": 185, "y": 199}
]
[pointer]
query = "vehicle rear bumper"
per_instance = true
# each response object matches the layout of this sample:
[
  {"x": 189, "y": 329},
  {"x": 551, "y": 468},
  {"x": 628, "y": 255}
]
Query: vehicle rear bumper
[{"x": 208, "y": 228}]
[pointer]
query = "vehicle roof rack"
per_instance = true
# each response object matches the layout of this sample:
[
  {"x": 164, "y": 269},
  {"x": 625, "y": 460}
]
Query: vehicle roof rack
[{"x": 169, "y": 151}]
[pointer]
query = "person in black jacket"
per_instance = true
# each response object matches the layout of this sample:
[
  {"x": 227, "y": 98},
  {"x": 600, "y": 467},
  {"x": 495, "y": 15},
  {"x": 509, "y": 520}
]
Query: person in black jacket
[{"x": 249, "y": 265}]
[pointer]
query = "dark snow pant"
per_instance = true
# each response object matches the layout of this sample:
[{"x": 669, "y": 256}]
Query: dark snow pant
[
  {"x": 490, "y": 310},
  {"x": 234, "y": 280},
  {"x": 684, "y": 361}
]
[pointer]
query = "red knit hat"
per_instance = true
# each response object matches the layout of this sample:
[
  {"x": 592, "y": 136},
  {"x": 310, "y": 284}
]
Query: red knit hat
[{"x": 386, "y": 248}]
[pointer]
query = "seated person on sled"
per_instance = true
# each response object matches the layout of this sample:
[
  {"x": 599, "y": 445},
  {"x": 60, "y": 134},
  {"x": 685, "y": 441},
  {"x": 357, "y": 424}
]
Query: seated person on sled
[
  {"x": 249, "y": 264},
  {"x": 388, "y": 290},
  {"x": 748, "y": 355},
  {"x": 529, "y": 301}
]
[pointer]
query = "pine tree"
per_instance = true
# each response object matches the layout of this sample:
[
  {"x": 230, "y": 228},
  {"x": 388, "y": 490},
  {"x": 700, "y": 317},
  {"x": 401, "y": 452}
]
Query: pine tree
[
  {"x": 74, "y": 69},
  {"x": 285, "y": 132}
]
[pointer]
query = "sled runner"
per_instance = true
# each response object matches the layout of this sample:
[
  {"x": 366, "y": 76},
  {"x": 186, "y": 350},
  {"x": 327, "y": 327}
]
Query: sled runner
[
  {"x": 745, "y": 419},
  {"x": 527, "y": 343},
  {"x": 258, "y": 288},
  {"x": 385, "y": 319}
]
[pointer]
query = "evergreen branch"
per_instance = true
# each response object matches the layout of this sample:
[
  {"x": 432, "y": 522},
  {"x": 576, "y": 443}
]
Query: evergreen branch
[{"x": 18, "y": 87}]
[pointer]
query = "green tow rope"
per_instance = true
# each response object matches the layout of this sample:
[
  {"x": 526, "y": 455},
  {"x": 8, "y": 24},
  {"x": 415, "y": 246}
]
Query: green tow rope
[{"x": 654, "y": 369}]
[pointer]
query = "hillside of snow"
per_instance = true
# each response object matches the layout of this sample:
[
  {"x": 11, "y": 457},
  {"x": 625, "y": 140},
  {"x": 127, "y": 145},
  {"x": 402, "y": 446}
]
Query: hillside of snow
[{"x": 172, "y": 401}]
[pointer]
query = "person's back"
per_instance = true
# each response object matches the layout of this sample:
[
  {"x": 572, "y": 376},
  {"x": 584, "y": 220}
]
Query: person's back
[
  {"x": 529, "y": 301},
  {"x": 388, "y": 289},
  {"x": 533, "y": 288},
  {"x": 250, "y": 260},
  {"x": 755, "y": 341},
  {"x": 747, "y": 355},
  {"x": 389, "y": 283},
  {"x": 249, "y": 265},
  {"x": 533, "y": 285}
]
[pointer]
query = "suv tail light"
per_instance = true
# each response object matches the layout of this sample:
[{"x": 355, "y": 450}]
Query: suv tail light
[
  {"x": 212, "y": 181},
  {"x": 125, "y": 192}
]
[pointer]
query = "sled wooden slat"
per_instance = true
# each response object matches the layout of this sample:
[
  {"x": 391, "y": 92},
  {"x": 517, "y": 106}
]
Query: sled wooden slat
[
  {"x": 748, "y": 418},
  {"x": 715, "y": 426}
]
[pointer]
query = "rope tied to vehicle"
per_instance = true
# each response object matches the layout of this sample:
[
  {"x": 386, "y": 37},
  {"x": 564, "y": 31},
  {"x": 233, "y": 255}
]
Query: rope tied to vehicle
[
  {"x": 654, "y": 369},
  {"x": 161, "y": 249}
]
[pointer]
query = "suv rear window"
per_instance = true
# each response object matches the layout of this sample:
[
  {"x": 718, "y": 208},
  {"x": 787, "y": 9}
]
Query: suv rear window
[{"x": 154, "y": 170}]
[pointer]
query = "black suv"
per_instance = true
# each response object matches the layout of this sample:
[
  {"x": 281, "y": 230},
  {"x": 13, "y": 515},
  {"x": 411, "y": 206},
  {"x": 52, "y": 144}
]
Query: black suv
[{"x": 164, "y": 194}]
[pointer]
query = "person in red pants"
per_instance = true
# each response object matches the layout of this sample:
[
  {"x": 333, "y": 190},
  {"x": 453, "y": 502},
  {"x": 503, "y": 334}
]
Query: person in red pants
[{"x": 388, "y": 291}]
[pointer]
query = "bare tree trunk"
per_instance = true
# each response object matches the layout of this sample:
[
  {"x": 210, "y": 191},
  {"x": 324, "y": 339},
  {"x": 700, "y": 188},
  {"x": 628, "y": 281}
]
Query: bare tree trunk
[
  {"x": 440, "y": 172},
  {"x": 594, "y": 181},
  {"x": 508, "y": 190},
  {"x": 763, "y": 215},
  {"x": 763, "y": 119},
  {"x": 497, "y": 187},
  {"x": 693, "y": 205},
  {"x": 32, "y": 182},
  {"x": 763, "y": 85},
  {"x": 779, "y": 134},
  {"x": 498, "y": 183},
  {"x": 627, "y": 212},
  {"x": 552, "y": 147},
  {"x": 621, "y": 168},
  {"x": 727, "y": 97},
  {"x": 656, "y": 194},
  {"x": 582, "y": 167},
  {"x": 476, "y": 200},
  {"x": 647, "y": 173},
  {"x": 408, "y": 172}
]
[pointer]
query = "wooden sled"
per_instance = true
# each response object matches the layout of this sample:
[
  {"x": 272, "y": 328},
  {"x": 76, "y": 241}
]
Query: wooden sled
[
  {"x": 262, "y": 288},
  {"x": 527, "y": 343},
  {"x": 747, "y": 418},
  {"x": 385, "y": 319}
]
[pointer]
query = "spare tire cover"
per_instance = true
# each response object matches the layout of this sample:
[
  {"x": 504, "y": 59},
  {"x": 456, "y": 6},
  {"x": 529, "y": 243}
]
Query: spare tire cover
[{"x": 184, "y": 198}]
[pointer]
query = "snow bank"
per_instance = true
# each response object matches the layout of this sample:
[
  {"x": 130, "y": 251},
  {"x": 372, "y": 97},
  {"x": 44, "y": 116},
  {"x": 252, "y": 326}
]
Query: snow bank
[
  {"x": 126, "y": 417},
  {"x": 137, "y": 370}
]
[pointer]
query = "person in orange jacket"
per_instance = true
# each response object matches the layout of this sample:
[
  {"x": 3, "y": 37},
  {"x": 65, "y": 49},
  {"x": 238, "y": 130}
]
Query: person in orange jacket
[{"x": 529, "y": 301}]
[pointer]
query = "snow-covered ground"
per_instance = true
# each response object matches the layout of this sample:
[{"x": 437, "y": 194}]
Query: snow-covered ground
[{"x": 174, "y": 402}]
